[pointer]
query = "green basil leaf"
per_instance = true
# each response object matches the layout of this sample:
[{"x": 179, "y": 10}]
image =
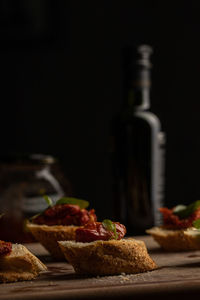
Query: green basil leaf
[
  {"x": 49, "y": 203},
  {"x": 48, "y": 200},
  {"x": 196, "y": 223},
  {"x": 110, "y": 226},
  {"x": 188, "y": 210},
  {"x": 35, "y": 216},
  {"x": 179, "y": 208},
  {"x": 70, "y": 200}
]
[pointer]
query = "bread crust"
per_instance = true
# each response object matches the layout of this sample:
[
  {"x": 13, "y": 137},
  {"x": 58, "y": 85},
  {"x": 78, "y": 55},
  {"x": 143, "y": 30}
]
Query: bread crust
[
  {"x": 49, "y": 235},
  {"x": 174, "y": 240},
  {"x": 193, "y": 238},
  {"x": 111, "y": 257},
  {"x": 20, "y": 265}
]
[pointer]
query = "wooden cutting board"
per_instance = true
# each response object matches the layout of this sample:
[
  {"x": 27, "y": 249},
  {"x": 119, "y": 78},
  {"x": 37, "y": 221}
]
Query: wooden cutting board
[{"x": 178, "y": 275}]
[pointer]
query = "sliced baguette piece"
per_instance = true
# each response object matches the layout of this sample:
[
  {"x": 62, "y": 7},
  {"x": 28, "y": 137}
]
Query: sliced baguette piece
[
  {"x": 20, "y": 265},
  {"x": 49, "y": 235},
  {"x": 193, "y": 237},
  {"x": 111, "y": 257},
  {"x": 175, "y": 240}
]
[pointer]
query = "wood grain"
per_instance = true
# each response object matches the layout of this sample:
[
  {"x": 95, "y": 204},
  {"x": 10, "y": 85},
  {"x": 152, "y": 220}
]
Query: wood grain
[{"x": 178, "y": 275}]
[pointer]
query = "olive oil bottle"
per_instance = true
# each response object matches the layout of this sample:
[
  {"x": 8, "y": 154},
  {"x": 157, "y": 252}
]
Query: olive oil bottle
[{"x": 139, "y": 146}]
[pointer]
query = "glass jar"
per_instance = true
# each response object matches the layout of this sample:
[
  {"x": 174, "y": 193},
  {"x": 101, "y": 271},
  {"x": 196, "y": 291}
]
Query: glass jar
[{"x": 24, "y": 179}]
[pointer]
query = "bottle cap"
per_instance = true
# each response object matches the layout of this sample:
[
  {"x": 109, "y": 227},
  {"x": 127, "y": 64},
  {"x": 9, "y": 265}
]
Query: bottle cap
[{"x": 144, "y": 52}]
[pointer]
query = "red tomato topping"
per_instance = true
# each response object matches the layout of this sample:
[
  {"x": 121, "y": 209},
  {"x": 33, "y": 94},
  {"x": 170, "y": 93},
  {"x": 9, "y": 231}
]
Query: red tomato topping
[
  {"x": 65, "y": 214},
  {"x": 172, "y": 221},
  {"x": 96, "y": 231},
  {"x": 5, "y": 248}
]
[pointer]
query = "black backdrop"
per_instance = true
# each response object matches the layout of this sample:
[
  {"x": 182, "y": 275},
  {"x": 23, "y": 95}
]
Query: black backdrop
[{"x": 61, "y": 86}]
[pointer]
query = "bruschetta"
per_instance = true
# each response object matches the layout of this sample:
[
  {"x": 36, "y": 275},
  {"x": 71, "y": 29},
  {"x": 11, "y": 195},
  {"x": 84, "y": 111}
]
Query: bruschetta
[
  {"x": 59, "y": 222},
  {"x": 101, "y": 249},
  {"x": 17, "y": 263},
  {"x": 180, "y": 229}
]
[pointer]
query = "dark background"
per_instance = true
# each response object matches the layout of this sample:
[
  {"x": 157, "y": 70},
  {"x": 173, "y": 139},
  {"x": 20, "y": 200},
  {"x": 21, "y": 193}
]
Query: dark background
[{"x": 61, "y": 86}]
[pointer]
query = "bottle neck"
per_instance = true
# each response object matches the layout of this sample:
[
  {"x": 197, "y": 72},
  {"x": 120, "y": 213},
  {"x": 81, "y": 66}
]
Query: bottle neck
[{"x": 139, "y": 90}]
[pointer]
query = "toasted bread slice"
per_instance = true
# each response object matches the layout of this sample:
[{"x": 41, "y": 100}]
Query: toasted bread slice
[
  {"x": 108, "y": 257},
  {"x": 20, "y": 265},
  {"x": 175, "y": 240},
  {"x": 49, "y": 235},
  {"x": 193, "y": 237}
]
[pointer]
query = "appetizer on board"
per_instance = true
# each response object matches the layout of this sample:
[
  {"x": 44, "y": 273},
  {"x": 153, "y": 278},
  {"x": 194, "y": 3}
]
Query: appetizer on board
[
  {"x": 101, "y": 249},
  {"x": 180, "y": 229},
  {"x": 59, "y": 222},
  {"x": 17, "y": 263}
]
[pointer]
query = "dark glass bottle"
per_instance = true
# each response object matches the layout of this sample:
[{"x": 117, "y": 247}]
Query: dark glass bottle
[{"x": 138, "y": 149}]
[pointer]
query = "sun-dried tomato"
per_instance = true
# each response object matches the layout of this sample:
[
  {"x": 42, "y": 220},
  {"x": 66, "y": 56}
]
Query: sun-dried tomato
[
  {"x": 172, "y": 221},
  {"x": 5, "y": 248},
  {"x": 96, "y": 231},
  {"x": 65, "y": 214}
]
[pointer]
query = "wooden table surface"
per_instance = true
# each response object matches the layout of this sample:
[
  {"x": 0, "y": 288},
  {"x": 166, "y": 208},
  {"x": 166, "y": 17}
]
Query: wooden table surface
[{"x": 178, "y": 276}]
